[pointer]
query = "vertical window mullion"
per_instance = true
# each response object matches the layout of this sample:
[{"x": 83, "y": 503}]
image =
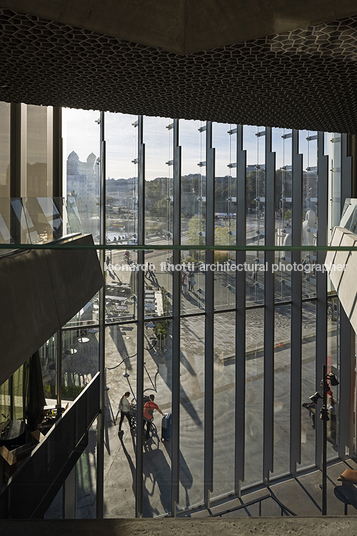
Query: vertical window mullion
[
  {"x": 269, "y": 258},
  {"x": 140, "y": 329},
  {"x": 296, "y": 308},
  {"x": 240, "y": 346},
  {"x": 209, "y": 317},
  {"x": 176, "y": 331}
]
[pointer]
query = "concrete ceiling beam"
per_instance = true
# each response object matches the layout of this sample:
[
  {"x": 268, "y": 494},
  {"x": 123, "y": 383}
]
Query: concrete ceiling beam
[{"x": 186, "y": 26}]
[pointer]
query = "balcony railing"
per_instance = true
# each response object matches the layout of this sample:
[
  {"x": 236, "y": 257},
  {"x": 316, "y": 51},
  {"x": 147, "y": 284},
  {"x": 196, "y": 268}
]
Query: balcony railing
[{"x": 33, "y": 487}]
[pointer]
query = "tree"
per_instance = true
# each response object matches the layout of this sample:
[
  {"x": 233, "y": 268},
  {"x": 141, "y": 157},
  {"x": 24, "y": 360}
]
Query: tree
[{"x": 196, "y": 227}]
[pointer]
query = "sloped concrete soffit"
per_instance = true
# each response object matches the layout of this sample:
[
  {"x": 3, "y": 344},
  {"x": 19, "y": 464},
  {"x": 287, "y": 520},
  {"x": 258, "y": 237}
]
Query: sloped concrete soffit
[{"x": 186, "y": 26}]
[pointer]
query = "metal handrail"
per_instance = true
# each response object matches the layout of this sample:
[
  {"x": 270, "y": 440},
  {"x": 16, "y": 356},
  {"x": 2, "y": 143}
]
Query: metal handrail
[{"x": 35, "y": 483}]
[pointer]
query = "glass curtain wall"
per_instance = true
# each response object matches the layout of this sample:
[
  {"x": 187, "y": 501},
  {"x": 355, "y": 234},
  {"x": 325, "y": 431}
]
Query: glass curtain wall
[
  {"x": 198, "y": 317},
  {"x": 5, "y": 226},
  {"x": 123, "y": 219},
  {"x": 186, "y": 318}
]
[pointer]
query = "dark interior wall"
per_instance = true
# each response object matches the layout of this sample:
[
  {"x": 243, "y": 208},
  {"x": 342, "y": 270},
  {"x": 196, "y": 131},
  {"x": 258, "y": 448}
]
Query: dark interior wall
[{"x": 40, "y": 291}]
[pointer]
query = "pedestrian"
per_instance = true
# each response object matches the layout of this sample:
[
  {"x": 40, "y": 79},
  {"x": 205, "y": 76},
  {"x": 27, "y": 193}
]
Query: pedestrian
[
  {"x": 150, "y": 272},
  {"x": 124, "y": 407},
  {"x": 193, "y": 282},
  {"x": 189, "y": 282},
  {"x": 149, "y": 408},
  {"x": 184, "y": 283}
]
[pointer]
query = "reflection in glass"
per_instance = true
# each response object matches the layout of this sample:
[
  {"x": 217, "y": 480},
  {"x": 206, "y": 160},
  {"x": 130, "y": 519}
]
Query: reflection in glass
[
  {"x": 4, "y": 149},
  {"x": 86, "y": 472},
  {"x": 37, "y": 177},
  {"x": 80, "y": 360},
  {"x": 5, "y": 234},
  {"x": 49, "y": 370}
]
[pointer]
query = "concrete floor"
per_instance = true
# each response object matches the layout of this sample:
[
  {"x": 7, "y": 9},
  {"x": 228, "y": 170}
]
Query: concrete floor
[
  {"x": 274, "y": 526},
  {"x": 120, "y": 452},
  {"x": 302, "y": 495}
]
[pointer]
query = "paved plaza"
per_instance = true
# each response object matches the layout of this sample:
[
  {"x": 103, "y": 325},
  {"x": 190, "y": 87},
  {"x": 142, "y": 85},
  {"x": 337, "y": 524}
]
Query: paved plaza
[{"x": 121, "y": 354}]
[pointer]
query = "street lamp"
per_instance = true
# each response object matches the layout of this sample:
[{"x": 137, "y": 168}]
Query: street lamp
[{"x": 324, "y": 387}]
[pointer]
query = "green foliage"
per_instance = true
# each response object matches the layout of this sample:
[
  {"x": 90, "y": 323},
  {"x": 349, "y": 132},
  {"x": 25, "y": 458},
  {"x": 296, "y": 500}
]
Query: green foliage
[
  {"x": 288, "y": 215},
  {"x": 49, "y": 390},
  {"x": 220, "y": 256},
  {"x": 195, "y": 227},
  {"x": 166, "y": 301},
  {"x": 161, "y": 329},
  {"x": 69, "y": 392}
]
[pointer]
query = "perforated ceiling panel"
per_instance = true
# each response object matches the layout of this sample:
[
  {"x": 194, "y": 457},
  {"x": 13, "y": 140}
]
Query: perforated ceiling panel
[{"x": 304, "y": 79}]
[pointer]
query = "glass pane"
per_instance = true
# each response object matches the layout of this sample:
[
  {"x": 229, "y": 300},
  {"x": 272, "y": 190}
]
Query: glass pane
[
  {"x": 224, "y": 280},
  {"x": 333, "y": 365},
  {"x": 224, "y": 404},
  {"x": 120, "y": 286},
  {"x": 4, "y": 150},
  {"x": 308, "y": 383},
  {"x": 192, "y": 411},
  {"x": 308, "y": 148},
  {"x": 121, "y": 184},
  {"x": 81, "y": 133},
  {"x": 254, "y": 144},
  {"x": 5, "y": 224},
  {"x": 157, "y": 285},
  {"x": 309, "y": 274},
  {"x": 80, "y": 360},
  {"x": 37, "y": 178},
  {"x": 48, "y": 363},
  {"x": 193, "y": 209},
  {"x": 225, "y": 213},
  {"x": 4, "y": 402},
  {"x": 86, "y": 485},
  {"x": 43, "y": 219},
  {"x": 158, "y": 139},
  {"x": 157, "y": 382},
  {"x": 55, "y": 510},
  {"x": 254, "y": 396},
  {"x": 88, "y": 316},
  {"x": 333, "y": 150},
  {"x": 119, "y": 455},
  {"x": 281, "y": 145},
  {"x": 282, "y": 339}
]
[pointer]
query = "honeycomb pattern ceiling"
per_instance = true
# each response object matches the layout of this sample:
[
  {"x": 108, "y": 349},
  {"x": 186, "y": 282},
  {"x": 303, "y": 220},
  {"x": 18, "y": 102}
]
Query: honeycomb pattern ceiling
[{"x": 303, "y": 79}]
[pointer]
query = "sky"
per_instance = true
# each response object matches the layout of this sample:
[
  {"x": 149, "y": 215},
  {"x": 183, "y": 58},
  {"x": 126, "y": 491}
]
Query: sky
[{"x": 81, "y": 134}]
